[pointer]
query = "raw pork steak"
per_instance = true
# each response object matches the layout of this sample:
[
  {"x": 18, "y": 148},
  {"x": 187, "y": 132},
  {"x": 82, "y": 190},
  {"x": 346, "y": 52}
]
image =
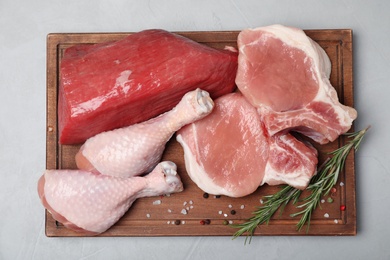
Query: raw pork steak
[
  {"x": 230, "y": 153},
  {"x": 285, "y": 75},
  {"x": 116, "y": 84}
]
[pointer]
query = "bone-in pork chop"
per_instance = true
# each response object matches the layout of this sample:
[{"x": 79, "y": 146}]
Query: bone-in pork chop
[{"x": 285, "y": 75}]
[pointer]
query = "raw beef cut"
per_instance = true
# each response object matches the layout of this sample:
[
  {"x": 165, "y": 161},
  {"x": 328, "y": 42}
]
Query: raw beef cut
[
  {"x": 230, "y": 153},
  {"x": 136, "y": 149},
  {"x": 91, "y": 203},
  {"x": 116, "y": 84},
  {"x": 285, "y": 75}
]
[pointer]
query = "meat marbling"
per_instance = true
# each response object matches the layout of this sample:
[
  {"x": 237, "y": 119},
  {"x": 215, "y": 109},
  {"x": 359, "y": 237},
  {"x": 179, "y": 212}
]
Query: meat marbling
[
  {"x": 285, "y": 75},
  {"x": 230, "y": 153},
  {"x": 137, "y": 149},
  {"x": 116, "y": 84},
  {"x": 91, "y": 203}
]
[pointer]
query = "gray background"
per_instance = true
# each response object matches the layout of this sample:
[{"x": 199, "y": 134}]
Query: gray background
[{"x": 23, "y": 29}]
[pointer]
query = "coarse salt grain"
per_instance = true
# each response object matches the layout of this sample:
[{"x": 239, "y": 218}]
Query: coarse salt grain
[
  {"x": 230, "y": 206},
  {"x": 336, "y": 221},
  {"x": 220, "y": 212},
  {"x": 242, "y": 207},
  {"x": 230, "y": 221},
  {"x": 261, "y": 201},
  {"x": 191, "y": 202},
  {"x": 225, "y": 215},
  {"x": 169, "y": 210},
  {"x": 191, "y": 207},
  {"x": 148, "y": 215},
  {"x": 157, "y": 202},
  {"x": 185, "y": 203},
  {"x": 184, "y": 212},
  {"x": 326, "y": 215},
  {"x": 341, "y": 184},
  {"x": 168, "y": 222},
  {"x": 183, "y": 222},
  {"x": 322, "y": 201}
]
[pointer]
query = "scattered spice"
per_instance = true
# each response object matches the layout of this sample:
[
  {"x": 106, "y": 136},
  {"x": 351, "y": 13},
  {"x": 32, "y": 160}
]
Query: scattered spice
[
  {"x": 336, "y": 221},
  {"x": 330, "y": 200},
  {"x": 205, "y": 195},
  {"x": 207, "y": 221},
  {"x": 217, "y": 196},
  {"x": 148, "y": 215},
  {"x": 184, "y": 212},
  {"x": 220, "y": 212},
  {"x": 333, "y": 190},
  {"x": 177, "y": 222},
  {"x": 343, "y": 207},
  {"x": 225, "y": 222},
  {"x": 341, "y": 184},
  {"x": 157, "y": 202},
  {"x": 202, "y": 222},
  {"x": 322, "y": 201},
  {"x": 233, "y": 212},
  {"x": 326, "y": 215},
  {"x": 230, "y": 206},
  {"x": 242, "y": 207}
]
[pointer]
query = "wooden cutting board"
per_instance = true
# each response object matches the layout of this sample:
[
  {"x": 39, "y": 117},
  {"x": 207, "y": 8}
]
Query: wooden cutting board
[{"x": 163, "y": 216}]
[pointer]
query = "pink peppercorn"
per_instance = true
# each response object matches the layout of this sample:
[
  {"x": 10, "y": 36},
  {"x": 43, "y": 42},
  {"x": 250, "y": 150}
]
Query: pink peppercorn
[{"x": 343, "y": 207}]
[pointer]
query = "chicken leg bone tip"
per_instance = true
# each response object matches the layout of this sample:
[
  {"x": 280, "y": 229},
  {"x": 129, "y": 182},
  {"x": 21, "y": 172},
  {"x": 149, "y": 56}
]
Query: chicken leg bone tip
[
  {"x": 204, "y": 101},
  {"x": 171, "y": 177}
]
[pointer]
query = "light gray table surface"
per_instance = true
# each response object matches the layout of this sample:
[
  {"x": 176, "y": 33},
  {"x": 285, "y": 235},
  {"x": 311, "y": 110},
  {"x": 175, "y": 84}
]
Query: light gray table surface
[{"x": 23, "y": 29}]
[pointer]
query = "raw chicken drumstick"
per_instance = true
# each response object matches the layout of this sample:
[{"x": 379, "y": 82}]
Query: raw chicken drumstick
[
  {"x": 136, "y": 149},
  {"x": 91, "y": 202}
]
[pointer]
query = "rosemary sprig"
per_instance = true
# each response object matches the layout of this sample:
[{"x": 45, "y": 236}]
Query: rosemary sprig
[
  {"x": 264, "y": 213},
  {"x": 326, "y": 178},
  {"x": 320, "y": 185}
]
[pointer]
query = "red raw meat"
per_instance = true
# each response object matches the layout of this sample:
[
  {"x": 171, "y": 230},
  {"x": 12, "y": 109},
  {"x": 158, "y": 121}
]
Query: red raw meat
[
  {"x": 230, "y": 153},
  {"x": 116, "y": 84},
  {"x": 285, "y": 75}
]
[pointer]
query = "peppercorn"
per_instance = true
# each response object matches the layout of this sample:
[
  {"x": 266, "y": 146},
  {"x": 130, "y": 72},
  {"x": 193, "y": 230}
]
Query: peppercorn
[
  {"x": 205, "y": 195},
  {"x": 177, "y": 222},
  {"x": 202, "y": 222},
  {"x": 217, "y": 196},
  {"x": 225, "y": 222},
  {"x": 233, "y": 212},
  {"x": 207, "y": 221}
]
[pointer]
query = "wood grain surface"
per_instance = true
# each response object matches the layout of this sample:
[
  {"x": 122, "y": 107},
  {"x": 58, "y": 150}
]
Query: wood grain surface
[{"x": 166, "y": 219}]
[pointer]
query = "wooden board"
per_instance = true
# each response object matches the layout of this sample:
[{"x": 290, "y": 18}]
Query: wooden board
[{"x": 146, "y": 219}]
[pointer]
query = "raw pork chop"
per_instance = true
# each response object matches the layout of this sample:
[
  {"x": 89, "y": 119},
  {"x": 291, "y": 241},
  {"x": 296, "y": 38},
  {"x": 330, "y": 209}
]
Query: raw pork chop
[
  {"x": 91, "y": 203},
  {"x": 230, "y": 153},
  {"x": 116, "y": 84},
  {"x": 137, "y": 149},
  {"x": 285, "y": 75}
]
